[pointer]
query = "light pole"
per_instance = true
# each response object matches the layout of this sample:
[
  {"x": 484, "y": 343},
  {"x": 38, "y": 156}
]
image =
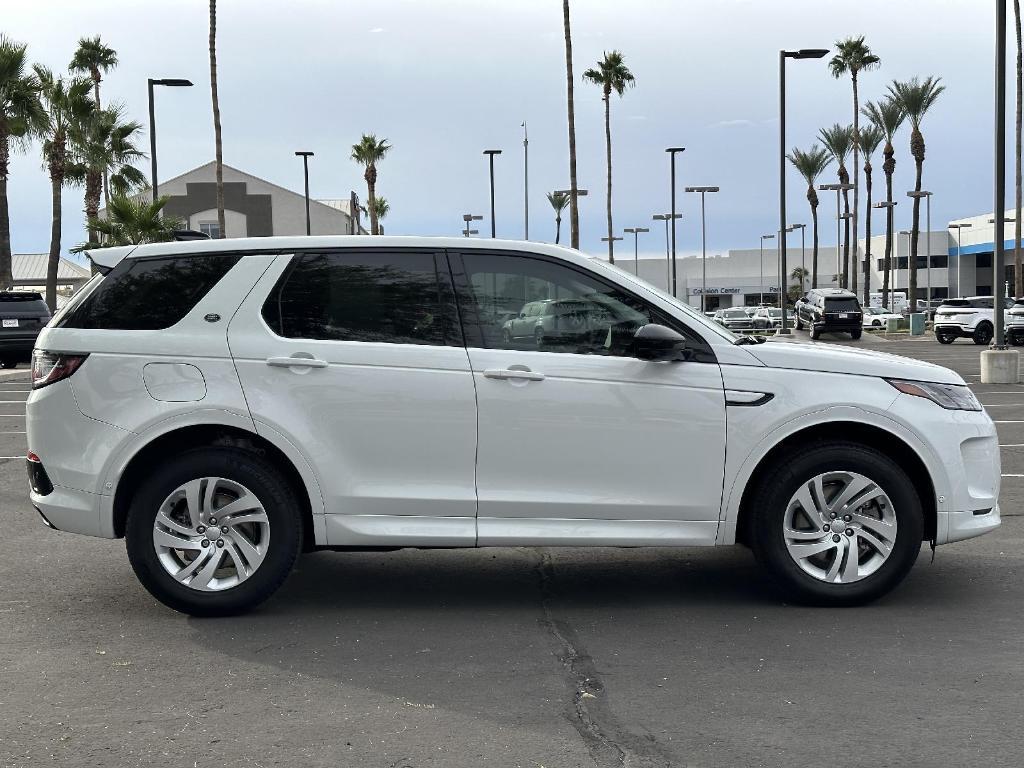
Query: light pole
[
  {"x": 703, "y": 242},
  {"x": 673, "y": 151},
  {"x": 802, "y": 53},
  {"x": 305, "y": 172},
  {"x": 611, "y": 239},
  {"x": 839, "y": 265},
  {"x": 998, "y": 373},
  {"x": 887, "y": 267},
  {"x": 783, "y": 278},
  {"x": 174, "y": 82},
  {"x": 635, "y": 232},
  {"x": 928, "y": 245},
  {"x": 763, "y": 238},
  {"x": 526, "y": 184},
  {"x": 467, "y": 218},
  {"x": 667, "y": 217},
  {"x": 838, "y": 189},
  {"x": 490, "y": 160},
  {"x": 896, "y": 270},
  {"x": 958, "y": 227}
]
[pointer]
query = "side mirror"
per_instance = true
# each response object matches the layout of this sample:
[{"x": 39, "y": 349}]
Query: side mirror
[
  {"x": 522, "y": 315},
  {"x": 657, "y": 343}
]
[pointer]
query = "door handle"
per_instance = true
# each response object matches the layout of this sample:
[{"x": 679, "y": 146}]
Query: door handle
[
  {"x": 296, "y": 361},
  {"x": 513, "y": 373}
]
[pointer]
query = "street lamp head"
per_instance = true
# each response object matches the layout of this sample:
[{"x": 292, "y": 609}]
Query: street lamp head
[
  {"x": 492, "y": 151},
  {"x": 959, "y": 226},
  {"x": 635, "y": 230},
  {"x": 579, "y": 192},
  {"x": 922, "y": 193},
  {"x": 806, "y": 53},
  {"x": 767, "y": 237},
  {"x": 176, "y": 82},
  {"x": 467, "y": 217},
  {"x": 666, "y": 216},
  {"x": 1005, "y": 219},
  {"x": 885, "y": 204},
  {"x": 701, "y": 189},
  {"x": 613, "y": 239},
  {"x": 673, "y": 150},
  {"x": 844, "y": 216},
  {"x": 904, "y": 231},
  {"x": 835, "y": 187},
  {"x": 304, "y": 154}
]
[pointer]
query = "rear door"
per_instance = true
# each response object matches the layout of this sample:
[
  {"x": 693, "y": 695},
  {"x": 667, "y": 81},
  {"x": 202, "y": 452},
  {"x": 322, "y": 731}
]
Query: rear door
[{"x": 355, "y": 356}]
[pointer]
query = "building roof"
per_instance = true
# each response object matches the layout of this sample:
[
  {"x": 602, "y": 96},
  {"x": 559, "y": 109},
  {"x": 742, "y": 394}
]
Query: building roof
[{"x": 30, "y": 269}]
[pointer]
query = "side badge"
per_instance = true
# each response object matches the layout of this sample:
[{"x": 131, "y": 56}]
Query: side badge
[{"x": 213, "y": 317}]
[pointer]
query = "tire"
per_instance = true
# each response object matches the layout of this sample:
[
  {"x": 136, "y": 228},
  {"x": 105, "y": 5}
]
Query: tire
[
  {"x": 856, "y": 334},
  {"x": 815, "y": 333},
  {"x": 944, "y": 338},
  {"x": 506, "y": 338},
  {"x": 232, "y": 468},
  {"x": 9, "y": 362},
  {"x": 1016, "y": 339},
  {"x": 982, "y": 334},
  {"x": 796, "y": 320},
  {"x": 806, "y": 579}
]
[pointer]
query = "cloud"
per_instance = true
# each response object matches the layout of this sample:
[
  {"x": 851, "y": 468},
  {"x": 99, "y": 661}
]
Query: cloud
[
  {"x": 377, "y": 30},
  {"x": 741, "y": 122}
]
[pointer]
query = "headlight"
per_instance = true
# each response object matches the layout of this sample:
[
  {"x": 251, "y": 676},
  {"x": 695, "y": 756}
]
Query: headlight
[{"x": 952, "y": 397}]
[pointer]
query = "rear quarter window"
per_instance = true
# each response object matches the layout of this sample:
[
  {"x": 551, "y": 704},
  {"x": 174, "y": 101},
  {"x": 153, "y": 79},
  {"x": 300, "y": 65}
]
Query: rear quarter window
[{"x": 149, "y": 294}]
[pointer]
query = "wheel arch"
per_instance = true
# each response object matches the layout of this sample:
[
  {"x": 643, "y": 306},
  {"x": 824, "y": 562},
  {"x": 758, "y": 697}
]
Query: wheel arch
[
  {"x": 869, "y": 435},
  {"x": 191, "y": 436}
]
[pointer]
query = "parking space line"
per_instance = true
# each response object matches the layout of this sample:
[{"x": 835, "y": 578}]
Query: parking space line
[
  {"x": 1012, "y": 445},
  {"x": 1012, "y": 475},
  {"x": 986, "y": 405},
  {"x": 12, "y": 432}
]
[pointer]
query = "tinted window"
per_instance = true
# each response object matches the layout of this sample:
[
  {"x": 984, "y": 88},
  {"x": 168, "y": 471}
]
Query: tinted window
[
  {"x": 374, "y": 296},
  {"x": 149, "y": 294},
  {"x": 583, "y": 315},
  {"x": 842, "y": 304},
  {"x": 23, "y": 303}
]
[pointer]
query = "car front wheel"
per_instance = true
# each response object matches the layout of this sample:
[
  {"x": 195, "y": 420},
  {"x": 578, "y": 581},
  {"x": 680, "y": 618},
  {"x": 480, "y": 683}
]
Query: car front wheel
[
  {"x": 214, "y": 531},
  {"x": 837, "y": 524}
]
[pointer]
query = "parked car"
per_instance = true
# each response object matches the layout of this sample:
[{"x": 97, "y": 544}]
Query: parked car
[
  {"x": 737, "y": 319},
  {"x": 829, "y": 310},
  {"x": 227, "y": 404},
  {"x": 876, "y": 317},
  {"x": 553, "y": 321},
  {"x": 770, "y": 317},
  {"x": 972, "y": 318},
  {"x": 22, "y": 315}
]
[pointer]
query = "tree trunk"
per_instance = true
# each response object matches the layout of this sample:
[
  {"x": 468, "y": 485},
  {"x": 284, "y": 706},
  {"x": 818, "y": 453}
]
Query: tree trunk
[
  {"x": 917, "y": 150},
  {"x": 844, "y": 278},
  {"x": 218, "y": 147},
  {"x": 558, "y": 228},
  {"x": 574, "y": 214},
  {"x": 1018, "y": 278},
  {"x": 608, "y": 157},
  {"x": 867, "y": 238},
  {"x": 371, "y": 193},
  {"x": 814, "y": 238},
  {"x": 96, "y": 95},
  {"x": 888, "y": 167},
  {"x": 856, "y": 182},
  {"x": 56, "y": 182},
  {"x": 6, "y": 280},
  {"x": 93, "y": 189}
]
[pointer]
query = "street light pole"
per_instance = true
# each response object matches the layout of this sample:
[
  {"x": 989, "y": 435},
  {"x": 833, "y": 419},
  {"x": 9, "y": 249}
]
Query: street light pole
[
  {"x": 763, "y": 238},
  {"x": 467, "y": 218},
  {"x": 635, "y": 232},
  {"x": 887, "y": 265},
  {"x": 703, "y": 243},
  {"x": 999, "y": 193},
  {"x": 838, "y": 189},
  {"x": 928, "y": 247},
  {"x": 673, "y": 151},
  {"x": 175, "y": 82},
  {"x": 526, "y": 184},
  {"x": 611, "y": 239},
  {"x": 896, "y": 273},
  {"x": 305, "y": 172},
  {"x": 803, "y": 253},
  {"x": 490, "y": 160},
  {"x": 667, "y": 217}
]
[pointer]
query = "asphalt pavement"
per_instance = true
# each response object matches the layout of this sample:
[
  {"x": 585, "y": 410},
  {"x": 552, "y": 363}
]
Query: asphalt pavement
[{"x": 513, "y": 657}]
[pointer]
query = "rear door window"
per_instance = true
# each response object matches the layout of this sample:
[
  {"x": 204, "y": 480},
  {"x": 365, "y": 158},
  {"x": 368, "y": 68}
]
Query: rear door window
[
  {"x": 149, "y": 294},
  {"x": 841, "y": 304}
]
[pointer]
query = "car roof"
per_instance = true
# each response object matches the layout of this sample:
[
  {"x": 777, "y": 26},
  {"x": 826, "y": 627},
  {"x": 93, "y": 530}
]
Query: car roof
[{"x": 108, "y": 258}]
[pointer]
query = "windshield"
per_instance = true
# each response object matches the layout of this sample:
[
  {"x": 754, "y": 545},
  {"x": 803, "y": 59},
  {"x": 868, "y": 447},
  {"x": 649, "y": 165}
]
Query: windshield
[
  {"x": 841, "y": 304},
  {"x": 736, "y": 313}
]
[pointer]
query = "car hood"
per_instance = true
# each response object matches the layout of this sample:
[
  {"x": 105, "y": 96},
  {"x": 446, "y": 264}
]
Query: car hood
[{"x": 831, "y": 358}]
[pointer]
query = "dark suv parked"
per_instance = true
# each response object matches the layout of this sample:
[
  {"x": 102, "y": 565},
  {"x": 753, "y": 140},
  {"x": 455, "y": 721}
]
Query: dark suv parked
[
  {"x": 22, "y": 315},
  {"x": 830, "y": 310}
]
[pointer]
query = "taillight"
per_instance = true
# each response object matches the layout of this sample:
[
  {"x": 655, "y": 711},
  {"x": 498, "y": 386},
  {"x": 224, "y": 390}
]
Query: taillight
[{"x": 50, "y": 367}]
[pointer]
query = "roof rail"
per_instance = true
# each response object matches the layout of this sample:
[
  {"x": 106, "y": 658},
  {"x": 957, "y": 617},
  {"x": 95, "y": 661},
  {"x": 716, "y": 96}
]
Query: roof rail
[{"x": 189, "y": 234}]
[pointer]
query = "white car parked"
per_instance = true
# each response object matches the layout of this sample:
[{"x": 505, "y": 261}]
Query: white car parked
[
  {"x": 224, "y": 405},
  {"x": 876, "y": 317},
  {"x": 972, "y": 318}
]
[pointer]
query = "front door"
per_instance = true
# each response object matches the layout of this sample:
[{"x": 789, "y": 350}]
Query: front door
[
  {"x": 356, "y": 358},
  {"x": 576, "y": 437}
]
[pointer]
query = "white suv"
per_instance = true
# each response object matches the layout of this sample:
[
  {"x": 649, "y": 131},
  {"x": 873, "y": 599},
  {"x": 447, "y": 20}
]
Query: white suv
[
  {"x": 225, "y": 405},
  {"x": 970, "y": 318}
]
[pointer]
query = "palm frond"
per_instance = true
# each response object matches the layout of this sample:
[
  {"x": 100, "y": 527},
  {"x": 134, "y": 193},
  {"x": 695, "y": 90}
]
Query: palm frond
[
  {"x": 558, "y": 200},
  {"x": 838, "y": 140},
  {"x": 611, "y": 73},
  {"x": 916, "y": 96},
  {"x": 852, "y": 56},
  {"x": 370, "y": 150},
  {"x": 810, "y": 164},
  {"x": 870, "y": 137},
  {"x": 93, "y": 57},
  {"x": 885, "y": 114}
]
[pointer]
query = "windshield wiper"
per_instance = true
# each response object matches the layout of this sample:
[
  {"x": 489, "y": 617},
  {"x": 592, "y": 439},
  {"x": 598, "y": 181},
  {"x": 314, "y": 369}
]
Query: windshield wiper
[{"x": 749, "y": 340}]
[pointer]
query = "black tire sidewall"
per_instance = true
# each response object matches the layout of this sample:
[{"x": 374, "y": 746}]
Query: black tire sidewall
[
  {"x": 778, "y": 488},
  {"x": 982, "y": 334},
  {"x": 262, "y": 479}
]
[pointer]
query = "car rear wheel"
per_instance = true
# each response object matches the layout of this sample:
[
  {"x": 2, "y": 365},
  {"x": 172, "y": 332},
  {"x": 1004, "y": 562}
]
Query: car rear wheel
[
  {"x": 856, "y": 334},
  {"x": 815, "y": 333},
  {"x": 1016, "y": 338},
  {"x": 982, "y": 334},
  {"x": 944, "y": 338},
  {"x": 9, "y": 362},
  {"x": 837, "y": 524},
  {"x": 799, "y": 325},
  {"x": 214, "y": 531}
]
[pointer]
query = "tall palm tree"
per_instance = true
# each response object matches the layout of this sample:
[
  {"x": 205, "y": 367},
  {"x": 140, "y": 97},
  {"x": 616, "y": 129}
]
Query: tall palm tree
[
  {"x": 838, "y": 140},
  {"x": 21, "y": 116},
  {"x": 869, "y": 139},
  {"x": 368, "y": 152},
  {"x": 800, "y": 274},
  {"x": 811, "y": 164},
  {"x": 67, "y": 105},
  {"x": 574, "y": 212},
  {"x": 558, "y": 201},
  {"x": 916, "y": 97},
  {"x": 381, "y": 208},
  {"x": 852, "y": 57},
  {"x": 887, "y": 115},
  {"x": 130, "y": 221},
  {"x": 95, "y": 59},
  {"x": 218, "y": 145},
  {"x": 1018, "y": 278},
  {"x": 611, "y": 74},
  {"x": 105, "y": 143}
]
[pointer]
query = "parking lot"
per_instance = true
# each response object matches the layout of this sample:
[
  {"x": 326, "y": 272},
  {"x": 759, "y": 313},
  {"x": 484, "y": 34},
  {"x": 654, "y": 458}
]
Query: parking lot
[{"x": 514, "y": 657}]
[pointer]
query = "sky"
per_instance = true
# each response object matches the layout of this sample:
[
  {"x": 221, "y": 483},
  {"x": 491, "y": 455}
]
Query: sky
[{"x": 443, "y": 80}]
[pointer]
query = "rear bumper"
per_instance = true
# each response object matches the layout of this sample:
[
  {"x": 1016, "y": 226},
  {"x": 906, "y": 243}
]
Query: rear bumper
[
  {"x": 21, "y": 343},
  {"x": 71, "y": 510},
  {"x": 952, "y": 329}
]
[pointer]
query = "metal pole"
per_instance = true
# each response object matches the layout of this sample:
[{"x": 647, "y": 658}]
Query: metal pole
[
  {"x": 675, "y": 294},
  {"x": 999, "y": 203},
  {"x": 704, "y": 257},
  {"x": 839, "y": 245},
  {"x": 668, "y": 275},
  {"x": 490, "y": 157},
  {"x": 636, "y": 254},
  {"x": 761, "y": 300},
  {"x": 928, "y": 248},
  {"x": 526, "y": 184},
  {"x": 803, "y": 265},
  {"x": 152, "y": 138},
  {"x": 784, "y": 329},
  {"x": 305, "y": 172},
  {"x": 959, "y": 285}
]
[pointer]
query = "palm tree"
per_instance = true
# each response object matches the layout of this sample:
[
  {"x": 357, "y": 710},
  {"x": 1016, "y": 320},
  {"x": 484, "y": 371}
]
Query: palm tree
[
  {"x": 68, "y": 106},
  {"x": 21, "y": 116},
  {"x": 800, "y": 274},
  {"x": 853, "y": 57},
  {"x": 870, "y": 138},
  {"x": 381, "y": 208},
  {"x": 1018, "y": 278},
  {"x": 217, "y": 143},
  {"x": 887, "y": 115},
  {"x": 130, "y": 221},
  {"x": 368, "y": 152},
  {"x": 838, "y": 140},
  {"x": 95, "y": 59},
  {"x": 811, "y": 164},
  {"x": 558, "y": 201},
  {"x": 916, "y": 97},
  {"x": 574, "y": 212},
  {"x": 611, "y": 74},
  {"x": 106, "y": 145}
]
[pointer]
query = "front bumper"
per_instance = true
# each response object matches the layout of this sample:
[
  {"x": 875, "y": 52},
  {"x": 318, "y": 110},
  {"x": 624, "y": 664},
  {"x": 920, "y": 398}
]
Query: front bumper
[{"x": 957, "y": 526}]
